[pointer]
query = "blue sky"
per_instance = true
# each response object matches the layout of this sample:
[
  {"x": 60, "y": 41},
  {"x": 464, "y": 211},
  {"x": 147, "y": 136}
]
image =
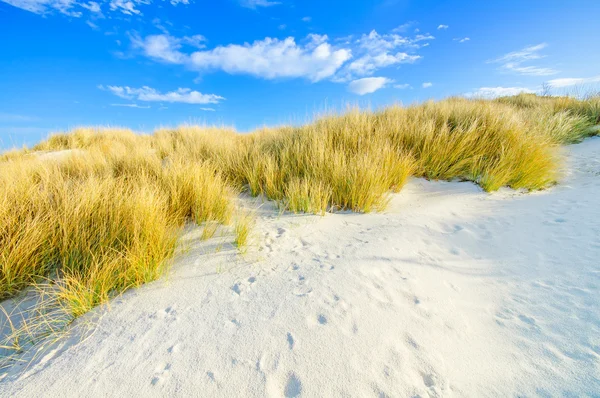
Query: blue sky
[{"x": 247, "y": 63}]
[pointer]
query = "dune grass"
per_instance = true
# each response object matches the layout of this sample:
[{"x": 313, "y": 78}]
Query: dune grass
[{"x": 94, "y": 212}]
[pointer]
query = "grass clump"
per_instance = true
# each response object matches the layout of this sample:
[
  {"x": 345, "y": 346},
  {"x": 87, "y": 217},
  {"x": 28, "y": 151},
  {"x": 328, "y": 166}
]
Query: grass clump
[
  {"x": 91, "y": 213},
  {"x": 98, "y": 222},
  {"x": 243, "y": 228}
]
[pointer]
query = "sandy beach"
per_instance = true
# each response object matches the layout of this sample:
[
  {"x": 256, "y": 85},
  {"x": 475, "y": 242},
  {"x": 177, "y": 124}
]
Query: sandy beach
[{"x": 449, "y": 292}]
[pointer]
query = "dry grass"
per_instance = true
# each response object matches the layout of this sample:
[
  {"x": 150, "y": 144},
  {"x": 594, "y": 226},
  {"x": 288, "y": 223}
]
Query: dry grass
[
  {"x": 100, "y": 221},
  {"x": 94, "y": 212},
  {"x": 242, "y": 228}
]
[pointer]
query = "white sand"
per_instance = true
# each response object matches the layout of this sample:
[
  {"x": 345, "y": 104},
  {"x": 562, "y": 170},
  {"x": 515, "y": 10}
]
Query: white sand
[{"x": 451, "y": 292}]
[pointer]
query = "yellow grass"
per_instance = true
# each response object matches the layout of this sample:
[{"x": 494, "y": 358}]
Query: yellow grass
[{"x": 94, "y": 212}]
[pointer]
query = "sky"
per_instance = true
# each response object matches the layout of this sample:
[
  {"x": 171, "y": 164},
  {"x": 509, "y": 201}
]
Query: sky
[{"x": 144, "y": 64}]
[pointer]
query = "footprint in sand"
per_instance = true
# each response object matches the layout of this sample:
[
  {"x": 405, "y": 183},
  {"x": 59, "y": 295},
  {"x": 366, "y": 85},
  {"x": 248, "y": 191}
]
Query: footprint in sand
[
  {"x": 162, "y": 373},
  {"x": 293, "y": 386},
  {"x": 236, "y": 288},
  {"x": 290, "y": 340}
]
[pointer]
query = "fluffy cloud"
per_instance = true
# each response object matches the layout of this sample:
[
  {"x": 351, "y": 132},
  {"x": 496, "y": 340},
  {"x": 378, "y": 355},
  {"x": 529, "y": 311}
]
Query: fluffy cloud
[
  {"x": 441, "y": 27},
  {"x": 513, "y": 62},
  {"x": 148, "y": 94},
  {"x": 376, "y": 51},
  {"x": 274, "y": 58},
  {"x": 269, "y": 58},
  {"x": 368, "y": 85},
  {"x": 368, "y": 64},
  {"x": 165, "y": 47},
  {"x": 162, "y": 47},
  {"x": 493, "y": 92},
  {"x": 314, "y": 58},
  {"x": 426, "y": 84},
  {"x": 573, "y": 81}
]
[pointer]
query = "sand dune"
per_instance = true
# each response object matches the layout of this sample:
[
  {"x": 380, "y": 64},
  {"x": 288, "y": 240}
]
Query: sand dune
[{"x": 450, "y": 292}]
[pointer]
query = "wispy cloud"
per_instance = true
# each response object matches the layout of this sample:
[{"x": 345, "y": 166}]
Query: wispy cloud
[
  {"x": 368, "y": 85},
  {"x": 148, "y": 94},
  {"x": 15, "y": 118},
  {"x": 573, "y": 81},
  {"x": 127, "y": 7},
  {"x": 461, "y": 40},
  {"x": 494, "y": 92},
  {"x": 368, "y": 64},
  {"x": 253, "y": 4},
  {"x": 513, "y": 61},
  {"x": 132, "y": 106},
  {"x": 403, "y": 86},
  {"x": 306, "y": 19},
  {"x": 426, "y": 84},
  {"x": 404, "y": 27},
  {"x": 208, "y": 109},
  {"x": 376, "y": 51},
  {"x": 92, "y": 6},
  {"x": 46, "y": 6},
  {"x": 77, "y": 8},
  {"x": 442, "y": 27}
]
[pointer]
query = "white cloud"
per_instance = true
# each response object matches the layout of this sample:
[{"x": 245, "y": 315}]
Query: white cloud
[
  {"x": 274, "y": 58},
  {"x": 194, "y": 41},
  {"x": 368, "y": 64},
  {"x": 161, "y": 47},
  {"x": 258, "y": 3},
  {"x": 513, "y": 62},
  {"x": 404, "y": 27},
  {"x": 441, "y": 27},
  {"x": 374, "y": 42},
  {"x": 148, "y": 94},
  {"x": 368, "y": 85},
  {"x": 207, "y": 109},
  {"x": 493, "y": 92},
  {"x": 125, "y": 6},
  {"x": 376, "y": 51},
  {"x": 314, "y": 58},
  {"x": 461, "y": 40},
  {"x": 45, "y": 6},
  {"x": 92, "y": 6},
  {"x": 306, "y": 19},
  {"x": 402, "y": 86},
  {"x": 427, "y": 85},
  {"x": 573, "y": 81},
  {"x": 74, "y": 8},
  {"x": 132, "y": 106}
]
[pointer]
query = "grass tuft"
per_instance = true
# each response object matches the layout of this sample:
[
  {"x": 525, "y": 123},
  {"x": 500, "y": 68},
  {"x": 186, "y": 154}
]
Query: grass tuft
[{"x": 91, "y": 213}]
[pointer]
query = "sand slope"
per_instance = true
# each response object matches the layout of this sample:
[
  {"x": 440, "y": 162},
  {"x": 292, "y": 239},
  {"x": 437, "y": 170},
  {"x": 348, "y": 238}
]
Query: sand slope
[{"x": 451, "y": 292}]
